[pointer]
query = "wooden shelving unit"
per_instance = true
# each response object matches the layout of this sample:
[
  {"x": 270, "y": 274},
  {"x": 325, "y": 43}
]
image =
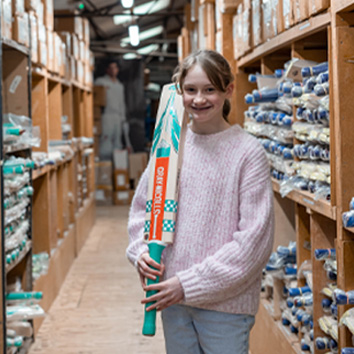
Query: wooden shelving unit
[
  {"x": 325, "y": 35},
  {"x": 62, "y": 209}
]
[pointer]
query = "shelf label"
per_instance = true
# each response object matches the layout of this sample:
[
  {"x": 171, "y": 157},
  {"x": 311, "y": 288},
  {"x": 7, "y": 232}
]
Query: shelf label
[
  {"x": 14, "y": 84},
  {"x": 308, "y": 201}
]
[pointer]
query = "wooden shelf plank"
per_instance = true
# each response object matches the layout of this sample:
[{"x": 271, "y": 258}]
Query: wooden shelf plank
[
  {"x": 303, "y": 29},
  {"x": 306, "y": 199},
  {"x": 350, "y": 229},
  {"x": 23, "y": 254},
  {"x": 262, "y": 341},
  {"x": 40, "y": 172},
  {"x": 342, "y": 5},
  {"x": 14, "y": 45}
]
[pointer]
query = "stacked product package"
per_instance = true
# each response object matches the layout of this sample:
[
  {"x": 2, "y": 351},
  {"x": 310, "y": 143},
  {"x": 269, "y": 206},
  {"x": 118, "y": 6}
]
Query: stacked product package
[
  {"x": 328, "y": 322},
  {"x": 311, "y": 132},
  {"x": 270, "y": 120},
  {"x": 21, "y": 309},
  {"x": 296, "y": 312},
  {"x": 300, "y": 144}
]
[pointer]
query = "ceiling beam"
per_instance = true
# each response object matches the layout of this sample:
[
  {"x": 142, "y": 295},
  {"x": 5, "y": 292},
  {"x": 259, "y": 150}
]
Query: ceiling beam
[
  {"x": 126, "y": 51},
  {"x": 94, "y": 14}
]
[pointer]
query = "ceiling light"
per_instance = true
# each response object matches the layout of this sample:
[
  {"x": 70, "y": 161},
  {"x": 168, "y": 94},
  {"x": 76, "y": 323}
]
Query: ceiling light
[
  {"x": 149, "y": 7},
  {"x": 148, "y": 49},
  {"x": 127, "y": 3},
  {"x": 130, "y": 56},
  {"x": 134, "y": 35},
  {"x": 152, "y": 32}
]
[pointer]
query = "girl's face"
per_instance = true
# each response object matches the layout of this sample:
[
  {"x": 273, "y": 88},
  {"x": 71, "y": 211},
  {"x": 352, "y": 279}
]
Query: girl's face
[{"x": 202, "y": 99}]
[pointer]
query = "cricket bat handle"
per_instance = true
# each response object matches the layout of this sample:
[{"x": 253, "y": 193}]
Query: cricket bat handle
[{"x": 149, "y": 328}]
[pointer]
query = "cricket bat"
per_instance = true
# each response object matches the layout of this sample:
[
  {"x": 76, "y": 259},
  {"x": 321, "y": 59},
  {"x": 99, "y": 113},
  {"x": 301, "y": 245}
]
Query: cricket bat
[{"x": 162, "y": 198}]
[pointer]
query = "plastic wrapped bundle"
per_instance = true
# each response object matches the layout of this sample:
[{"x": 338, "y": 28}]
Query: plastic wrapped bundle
[
  {"x": 323, "y": 77},
  {"x": 321, "y": 89},
  {"x": 321, "y": 254},
  {"x": 348, "y": 218},
  {"x": 334, "y": 310},
  {"x": 264, "y": 95},
  {"x": 314, "y": 70},
  {"x": 351, "y": 204},
  {"x": 289, "y": 86},
  {"x": 288, "y": 153},
  {"x": 299, "y": 291},
  {"x": 305, "y": 347},
  {"x": 279, "y": 73},
  {"x": 253, "y": 77},
  {"x": 304, "y": 300},
  {"x": 322, "y": 115},
  {"x": 326, "y": 304},
  {"x": 290, "y": 270},
  {"x": 287, "y": 251},
  {"x": 343, "y": 298},
  {"x": 322, "y": 343},
  {"x": 298, "y": 91},
  {"x": 347, "y": 351}
]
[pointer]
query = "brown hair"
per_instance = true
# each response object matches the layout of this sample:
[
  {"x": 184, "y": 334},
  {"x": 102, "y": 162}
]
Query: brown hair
[{"x": 216, "y": 68}]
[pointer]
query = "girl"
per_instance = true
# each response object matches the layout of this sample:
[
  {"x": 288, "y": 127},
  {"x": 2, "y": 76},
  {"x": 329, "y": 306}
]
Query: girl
[{"x": 224, "y": 232}]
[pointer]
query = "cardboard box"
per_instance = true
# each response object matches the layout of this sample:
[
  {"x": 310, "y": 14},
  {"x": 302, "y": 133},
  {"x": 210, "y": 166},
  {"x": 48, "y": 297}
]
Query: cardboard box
[
  {"x": 257, "y": 22},
  {"x": 120, "y": 159},
  {"x": 6, "y": 19},
  {"x": 280, "y": 17},
  {"x": 229, "y": 6},
  {"x": 48, "y": 14},
  {"x": 69, "y": 24},
  {"x": 15, "y": 84},
  {"x": 97, "y": 112},
  {"x": 103, "y": 174},
  {"x": 138, "y": 162},
  {"x": 40, "y": 12},
  {"x": 317, "y": 6},
  {"x": 287, "y": 14},
  {"x": 123, "y": 197},
  {"x": 42, "y": 54},
  {"x": 247, "y": 39},
  {"x": 18, "y": 7},
  {"x": 80, "y": 71},
  {"x": 50, "y": 48},
  {"x": 267, "y": 20},
  {"x": 304, "y": 9},
  {"x": 31, "y": 5},
  {"x": 121, "y": 180},
  {"x": 34, "y": 37},
  {"x": 296, "y": 8},
  {"x": 99, "y": 96},
  {"x": 20, "y": 29},
  {"x": 86, "y": 30},
  {"x": 66, "y": 38},
  {"x": 104, "y": 197},
  {"x": 97, "y": 127}
]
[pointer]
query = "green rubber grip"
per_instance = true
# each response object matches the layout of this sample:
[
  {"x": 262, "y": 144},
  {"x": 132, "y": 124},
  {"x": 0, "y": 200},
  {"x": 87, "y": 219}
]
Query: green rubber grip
[{"x": 149, "y": 327}]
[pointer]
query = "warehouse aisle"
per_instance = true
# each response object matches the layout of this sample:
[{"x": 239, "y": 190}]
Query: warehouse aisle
[{"x": 98, "y": 308}]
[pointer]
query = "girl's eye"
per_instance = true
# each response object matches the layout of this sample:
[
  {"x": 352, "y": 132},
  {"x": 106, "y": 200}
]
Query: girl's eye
[
  {"x": 210, "y": 89},
  {"x": 189, "y": 89}
]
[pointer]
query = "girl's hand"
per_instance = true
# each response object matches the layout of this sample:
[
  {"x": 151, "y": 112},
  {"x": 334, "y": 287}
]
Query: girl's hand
[
  {"x": 170, "y": 292},
  {"x": 145, "y": 263}
]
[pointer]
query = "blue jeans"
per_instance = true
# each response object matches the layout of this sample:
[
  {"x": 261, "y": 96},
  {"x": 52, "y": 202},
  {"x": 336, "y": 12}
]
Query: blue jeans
[{"x": 189, "y": 330}]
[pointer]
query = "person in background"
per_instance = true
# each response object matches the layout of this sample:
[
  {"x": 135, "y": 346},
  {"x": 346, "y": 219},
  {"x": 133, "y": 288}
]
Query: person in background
[
  {"x": 211, "y": 274},
  {"x": 114, "y": 114}
]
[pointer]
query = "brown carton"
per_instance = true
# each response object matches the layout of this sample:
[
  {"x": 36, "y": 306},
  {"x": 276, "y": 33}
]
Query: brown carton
[
  {"x": 20, "y": 29},
  {"x": 99, "y": 96}
]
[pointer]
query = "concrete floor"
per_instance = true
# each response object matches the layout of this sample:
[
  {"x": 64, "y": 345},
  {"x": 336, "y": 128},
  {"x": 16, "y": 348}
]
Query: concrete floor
[{"x": 98, "y": 309}]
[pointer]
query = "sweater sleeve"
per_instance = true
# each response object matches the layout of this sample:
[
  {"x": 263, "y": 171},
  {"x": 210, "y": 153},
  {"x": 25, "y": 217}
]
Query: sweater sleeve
[
  {"x": 136, "y": 220},
  {"x": 238, "y": 263}
]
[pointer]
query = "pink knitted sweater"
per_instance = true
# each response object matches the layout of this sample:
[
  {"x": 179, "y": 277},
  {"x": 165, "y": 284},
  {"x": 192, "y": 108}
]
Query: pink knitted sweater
[{"x": 224, "y": 230}]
